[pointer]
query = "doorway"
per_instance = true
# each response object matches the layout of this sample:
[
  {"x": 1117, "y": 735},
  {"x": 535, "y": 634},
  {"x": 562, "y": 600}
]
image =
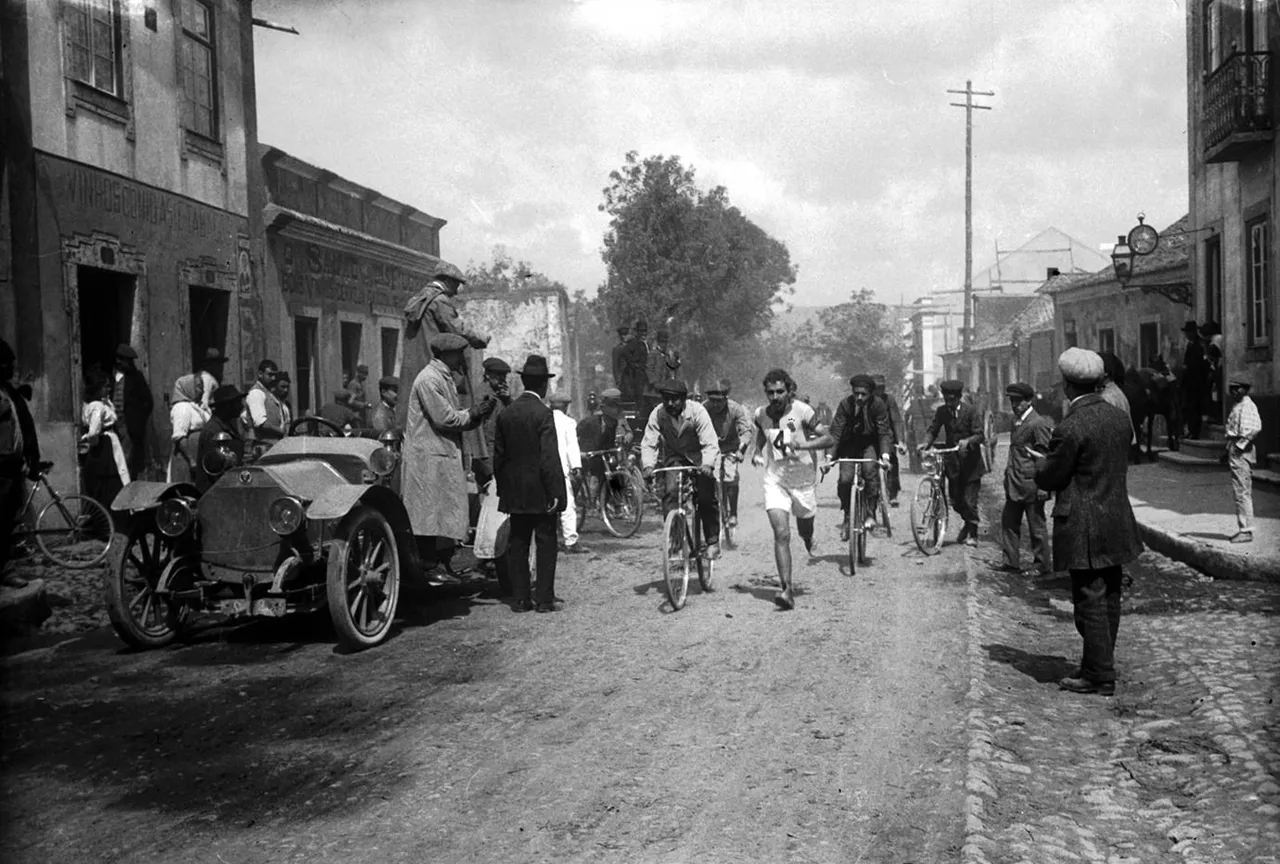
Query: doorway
[
  {"x": 106, "y": 301},
  {"x": 1148, "y": 342},
  {"x": 209, "y": 310},
  {"x": 304, "y": 342},
  {"x": 390, "y": 347},
  {"x": 349, "y": 335}
]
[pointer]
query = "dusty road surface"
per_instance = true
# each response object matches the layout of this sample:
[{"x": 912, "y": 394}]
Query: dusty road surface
[{"x": 611, "y": 731}]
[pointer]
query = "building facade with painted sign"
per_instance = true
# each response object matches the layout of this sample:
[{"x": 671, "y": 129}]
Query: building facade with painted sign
[
  {"x": 342, "y": 261},
  {"x": 128, "y": 202}
]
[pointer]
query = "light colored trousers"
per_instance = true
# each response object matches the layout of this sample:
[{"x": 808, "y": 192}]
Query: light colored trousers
[
  {"x": 1241, "y": 488},
  {"x": 569, "y": 518}
]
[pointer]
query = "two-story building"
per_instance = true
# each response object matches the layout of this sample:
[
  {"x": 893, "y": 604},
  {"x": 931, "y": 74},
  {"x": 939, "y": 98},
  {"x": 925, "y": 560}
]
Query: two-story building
[
  {"x": 130, "y": 206},
  {"x": 1232, "y": 155},
  {"x": 342, "y": 262}
]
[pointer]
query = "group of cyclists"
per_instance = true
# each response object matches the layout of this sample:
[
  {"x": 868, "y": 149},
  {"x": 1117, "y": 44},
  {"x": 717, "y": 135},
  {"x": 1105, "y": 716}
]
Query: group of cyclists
[{"x": 784, "y": 437}]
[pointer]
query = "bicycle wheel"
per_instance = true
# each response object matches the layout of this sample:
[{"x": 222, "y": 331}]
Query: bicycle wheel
[
  {"x": 855, "y": 529},
  {"x": 884, "y": 511},
  {"x": 75, "y": 532},
  {"x": 728, "y": 533},
  {"x": 706, "y": 567},
  {"x": 928, "y": 525},
  {"x": 621, "y": 503},
  {"x": 863, "y": 531},
  {"x": 675, "y": 559},
  {"x": 581, "y": 502}
]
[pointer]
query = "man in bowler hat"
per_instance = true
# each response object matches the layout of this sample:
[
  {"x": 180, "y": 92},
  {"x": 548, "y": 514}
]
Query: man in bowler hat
[{"x": 531, "y": 485}]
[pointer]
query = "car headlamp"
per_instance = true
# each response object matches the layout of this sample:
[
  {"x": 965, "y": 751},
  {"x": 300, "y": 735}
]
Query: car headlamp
[
  {"x": 175, "y": 516},
  {"x": 383, "y": 461},
  {"x": 285, "y": 515}
]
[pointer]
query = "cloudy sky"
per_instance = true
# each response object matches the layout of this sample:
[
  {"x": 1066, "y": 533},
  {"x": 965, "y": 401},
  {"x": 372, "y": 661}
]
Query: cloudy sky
[{"x": 827, "y": 120}]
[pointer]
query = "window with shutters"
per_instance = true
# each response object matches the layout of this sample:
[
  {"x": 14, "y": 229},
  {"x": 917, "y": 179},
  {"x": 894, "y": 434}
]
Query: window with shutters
[
  {"x": 93, "y": 44},
  {"x": 1257, "y": 234},
  {"x": 198, "y": 57}
]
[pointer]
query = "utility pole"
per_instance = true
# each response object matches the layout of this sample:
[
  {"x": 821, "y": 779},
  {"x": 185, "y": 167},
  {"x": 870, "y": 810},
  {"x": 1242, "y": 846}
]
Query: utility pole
[{"x": 968, "y": 105}]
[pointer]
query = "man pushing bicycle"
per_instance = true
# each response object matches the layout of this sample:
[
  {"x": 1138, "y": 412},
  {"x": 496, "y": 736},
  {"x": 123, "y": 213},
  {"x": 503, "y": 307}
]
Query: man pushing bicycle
[
  {"x": 861, "y": 430},
  {"x": 733, "y": 428},
  {"x": 680, "y": 432}
]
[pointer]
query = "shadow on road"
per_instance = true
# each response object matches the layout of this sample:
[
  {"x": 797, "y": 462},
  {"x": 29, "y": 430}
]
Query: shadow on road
[{"x": 1045, "y": 668}]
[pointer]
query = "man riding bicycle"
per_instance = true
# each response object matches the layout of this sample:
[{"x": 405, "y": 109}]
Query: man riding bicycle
[
  {"x": 733, "y": 428},
  {"x": 603, "y": 431},
  {"x": 861, "y": 430},
  {"x": 680, "y": 432}
]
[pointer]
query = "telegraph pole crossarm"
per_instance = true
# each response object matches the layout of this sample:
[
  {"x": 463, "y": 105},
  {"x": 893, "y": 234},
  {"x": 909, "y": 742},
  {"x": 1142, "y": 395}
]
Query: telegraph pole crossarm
[{"x": 969, "y": 105}]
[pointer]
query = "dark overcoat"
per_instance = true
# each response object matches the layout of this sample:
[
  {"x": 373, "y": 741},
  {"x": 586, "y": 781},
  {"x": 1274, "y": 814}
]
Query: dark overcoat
[
  {"x": 526, "y": 458},
  {"x": 854, "y": 430},
  {"x": 1087, "y": 465},
  {"x": 1034, "y": 431},
  {"x": 964, "y": 423}
]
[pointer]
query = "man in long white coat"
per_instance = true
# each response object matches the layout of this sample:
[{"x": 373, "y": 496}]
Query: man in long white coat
[
  {"x": 433, "y": 473},
  {"x": 571, "y": 462}
]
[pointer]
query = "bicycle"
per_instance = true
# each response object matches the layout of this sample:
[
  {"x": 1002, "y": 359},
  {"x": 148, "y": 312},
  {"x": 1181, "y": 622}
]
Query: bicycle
[
  {"x": 73, "y": 531},
  {"x": 929, "y": 511},
  {"x": 620, "y": 498},
  {"x": 857, "y": 511},
  {"x": 682, "y": 542},
  {"x": 728, "y": 530}
]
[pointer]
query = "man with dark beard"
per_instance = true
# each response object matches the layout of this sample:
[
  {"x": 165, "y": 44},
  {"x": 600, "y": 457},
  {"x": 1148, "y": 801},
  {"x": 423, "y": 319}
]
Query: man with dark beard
[{"x": 785, "y": 438}]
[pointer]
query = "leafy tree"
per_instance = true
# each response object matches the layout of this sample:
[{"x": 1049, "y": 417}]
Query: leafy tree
[
  {"x": 858, "y": 337},
  {"x": 505, "y": 273},
  {"x": 687, "y": 259}
]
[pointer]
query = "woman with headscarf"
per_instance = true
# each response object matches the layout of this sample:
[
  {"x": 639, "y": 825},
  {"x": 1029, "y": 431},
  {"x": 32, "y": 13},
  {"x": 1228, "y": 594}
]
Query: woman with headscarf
[
  {"x": 187, "y": 416},
  {"x": 102, "y": 458}
]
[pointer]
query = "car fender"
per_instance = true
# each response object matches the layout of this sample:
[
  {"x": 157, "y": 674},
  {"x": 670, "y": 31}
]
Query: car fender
[
  {"x": 145, "y": 494},
  {"x": 337, "y": 502}
]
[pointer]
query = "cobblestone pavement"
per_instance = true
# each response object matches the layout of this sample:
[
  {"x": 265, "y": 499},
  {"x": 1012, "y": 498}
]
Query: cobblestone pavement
[{"x": 1181, "y": 765}]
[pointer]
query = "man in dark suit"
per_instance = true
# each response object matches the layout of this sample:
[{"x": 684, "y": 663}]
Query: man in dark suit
[
  {"x": 1028, "y": 441},
  {"x": 133, "y": 403},
  {"x": 531, "y": 487},
  {"x": 963, "y": 427},
  {"x": 1094, "y": 532},
  {"x": 861, "y": 430},
  {"x": 892, "y": 477}
]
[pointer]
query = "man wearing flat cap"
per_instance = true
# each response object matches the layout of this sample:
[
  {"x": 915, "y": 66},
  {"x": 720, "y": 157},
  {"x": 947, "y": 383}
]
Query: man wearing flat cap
[
  {"x": 961, "y": 425},
  {"x": 679, "y": 432},
  {"x": 603, "y": 430},
  {"x": 433, "y": 480},
  {"x": 489, "y": 549},
  {"x": 531, "y": 486},
  {"x": 359, "y": 402},
  {"x": 1028, "y": 441},
  {"x": 1094, "y": 532},
  {"x": 1243, "y": 425},
  {"x": 861, "y": 430},
  {"x": 734, "y": 428},
  {"x": 338, "y": 412},
  {"x": 133, "y": 404},
  {"x": 384, "y": 413}
]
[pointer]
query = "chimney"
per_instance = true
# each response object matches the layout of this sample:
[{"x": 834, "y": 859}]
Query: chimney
[{"x": 1051, "y": 272}]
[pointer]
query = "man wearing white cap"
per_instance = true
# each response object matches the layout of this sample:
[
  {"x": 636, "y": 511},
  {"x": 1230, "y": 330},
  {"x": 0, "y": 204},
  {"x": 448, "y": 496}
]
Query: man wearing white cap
[
  {"x": 571, "y": 462},
  {"x": 1094, "y": 532}
]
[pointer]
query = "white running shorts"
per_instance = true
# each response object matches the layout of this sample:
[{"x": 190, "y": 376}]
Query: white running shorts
[{"x": 801, "y": 502}]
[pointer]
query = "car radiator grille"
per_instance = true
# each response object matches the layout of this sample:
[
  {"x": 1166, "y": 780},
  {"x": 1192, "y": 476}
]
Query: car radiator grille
[{"x": 233, "y": 524}]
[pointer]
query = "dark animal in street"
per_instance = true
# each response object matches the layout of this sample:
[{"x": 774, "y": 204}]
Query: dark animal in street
[{"x": 1152, "y": 392}]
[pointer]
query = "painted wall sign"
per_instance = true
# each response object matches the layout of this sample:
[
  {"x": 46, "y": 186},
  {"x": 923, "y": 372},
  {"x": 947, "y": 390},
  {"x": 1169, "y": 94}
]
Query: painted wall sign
[
  {"x": 92, "y": 190},
  {"x": 314, "y": 273}
]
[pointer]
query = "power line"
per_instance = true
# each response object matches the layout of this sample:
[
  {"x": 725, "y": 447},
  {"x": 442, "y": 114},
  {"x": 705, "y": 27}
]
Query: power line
[{"x": 968, "y": 105}]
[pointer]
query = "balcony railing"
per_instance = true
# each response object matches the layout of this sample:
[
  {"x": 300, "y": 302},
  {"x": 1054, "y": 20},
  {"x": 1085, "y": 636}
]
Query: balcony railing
[{"x": 1237, "y": 105}]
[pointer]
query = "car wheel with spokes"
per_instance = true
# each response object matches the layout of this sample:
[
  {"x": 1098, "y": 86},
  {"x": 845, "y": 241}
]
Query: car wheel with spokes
[
  {"x": 140, "y": 616},
  {"x": 363, "y": 584}
]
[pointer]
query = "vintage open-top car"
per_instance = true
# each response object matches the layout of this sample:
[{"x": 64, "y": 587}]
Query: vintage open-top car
[{"x": 313, "y": 521}]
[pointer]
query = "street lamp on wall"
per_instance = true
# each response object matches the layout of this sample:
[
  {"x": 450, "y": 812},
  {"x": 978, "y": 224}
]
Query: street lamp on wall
[
  {"x": 1142, "y": 239},
  {"x": 1122, "y": 256}
]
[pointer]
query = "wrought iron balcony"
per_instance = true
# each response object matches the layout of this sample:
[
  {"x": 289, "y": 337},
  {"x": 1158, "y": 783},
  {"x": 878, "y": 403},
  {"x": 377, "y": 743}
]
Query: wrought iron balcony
[{"x": 1237, "y": 111}]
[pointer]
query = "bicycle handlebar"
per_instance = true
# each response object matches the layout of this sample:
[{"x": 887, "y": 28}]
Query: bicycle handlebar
[
  {"x": 955, "y": 449},
  {"x": 678, "y": 468},
  {"x": 838, "y": 461},
  {"x": 603, "y": 452}
]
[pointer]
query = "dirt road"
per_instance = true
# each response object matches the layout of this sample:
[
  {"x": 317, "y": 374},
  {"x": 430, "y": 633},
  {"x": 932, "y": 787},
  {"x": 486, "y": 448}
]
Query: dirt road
[{"x": 612, "y": 731}]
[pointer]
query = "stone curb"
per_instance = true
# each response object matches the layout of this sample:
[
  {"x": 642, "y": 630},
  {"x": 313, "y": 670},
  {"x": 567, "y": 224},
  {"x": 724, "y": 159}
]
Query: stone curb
[
  {"x": 1208, "y": 559},
  {"x": 979, "y": 741}
]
